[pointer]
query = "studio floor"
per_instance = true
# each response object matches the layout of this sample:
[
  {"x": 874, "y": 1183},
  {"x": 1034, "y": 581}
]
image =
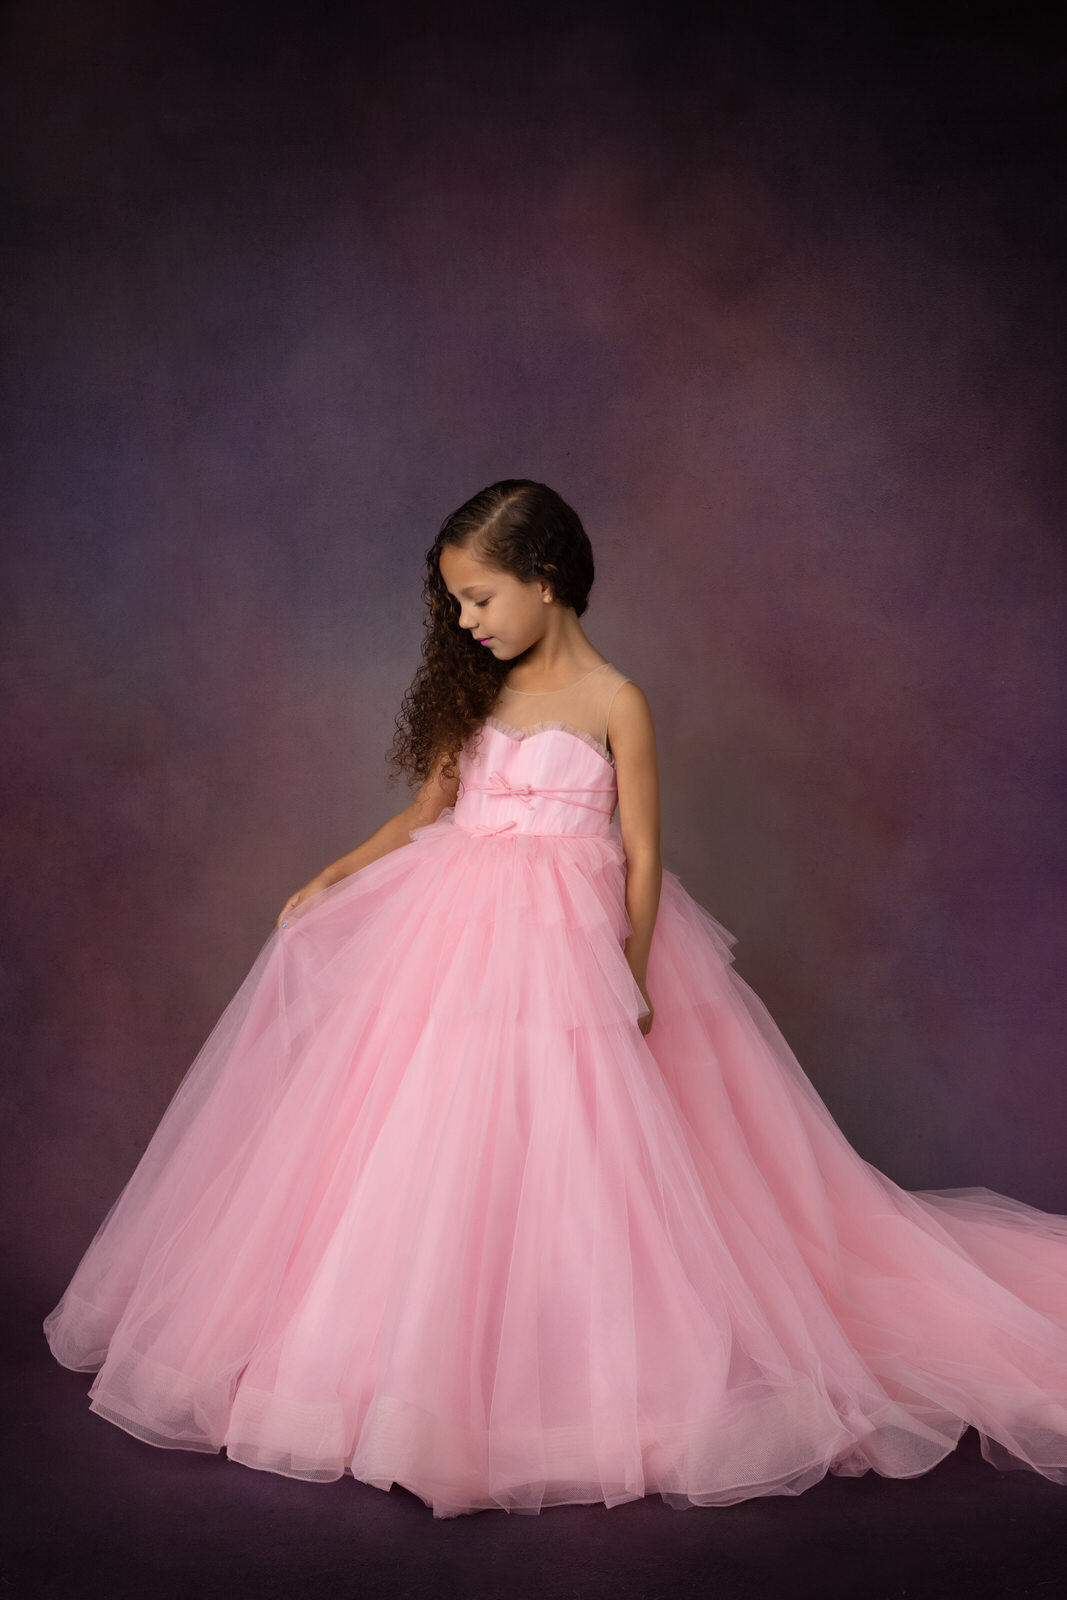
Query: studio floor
[{"x": 93, "y": 1512}]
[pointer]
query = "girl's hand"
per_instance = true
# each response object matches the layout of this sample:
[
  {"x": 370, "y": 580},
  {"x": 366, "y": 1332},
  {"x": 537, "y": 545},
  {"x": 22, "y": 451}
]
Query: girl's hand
[
  {"x": 314, "y": 887},
  {"x": 645, "y": 1023}
]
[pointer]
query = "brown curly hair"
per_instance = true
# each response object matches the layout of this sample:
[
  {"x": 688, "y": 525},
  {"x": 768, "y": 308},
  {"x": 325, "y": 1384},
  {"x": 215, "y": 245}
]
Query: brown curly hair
[{"x": 515, "y": 526}]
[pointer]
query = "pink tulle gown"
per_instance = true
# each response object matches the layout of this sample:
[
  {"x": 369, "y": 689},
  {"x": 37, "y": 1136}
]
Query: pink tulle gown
[{"x": 429, "y": 1208}]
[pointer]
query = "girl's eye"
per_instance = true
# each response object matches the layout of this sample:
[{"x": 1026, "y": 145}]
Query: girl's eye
[{"x": 480, "y": 603}]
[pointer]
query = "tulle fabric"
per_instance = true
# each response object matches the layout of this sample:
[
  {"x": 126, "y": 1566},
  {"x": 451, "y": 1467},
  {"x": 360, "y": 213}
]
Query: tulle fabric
[{"x": 429, "y": 1208}]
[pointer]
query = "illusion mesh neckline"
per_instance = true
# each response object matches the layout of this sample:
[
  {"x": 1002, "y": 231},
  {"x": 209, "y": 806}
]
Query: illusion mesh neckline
[{"x": 533, "y": 693}]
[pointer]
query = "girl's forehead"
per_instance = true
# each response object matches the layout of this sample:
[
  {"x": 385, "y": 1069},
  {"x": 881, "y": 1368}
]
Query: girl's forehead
[{"x": 461, "y": 569}]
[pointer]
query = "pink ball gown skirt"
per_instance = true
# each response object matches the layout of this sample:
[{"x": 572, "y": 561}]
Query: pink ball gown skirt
[{"x": 428, "y": 1208}]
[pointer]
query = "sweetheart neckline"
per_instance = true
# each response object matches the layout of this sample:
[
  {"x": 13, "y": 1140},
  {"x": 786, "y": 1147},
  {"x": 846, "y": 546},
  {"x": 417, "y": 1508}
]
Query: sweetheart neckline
[{"x": 517, "y": 735}]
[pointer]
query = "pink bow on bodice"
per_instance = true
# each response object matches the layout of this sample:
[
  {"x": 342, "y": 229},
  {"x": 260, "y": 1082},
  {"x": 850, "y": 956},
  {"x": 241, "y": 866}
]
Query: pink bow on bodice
[{"x": 499, "y": 783}]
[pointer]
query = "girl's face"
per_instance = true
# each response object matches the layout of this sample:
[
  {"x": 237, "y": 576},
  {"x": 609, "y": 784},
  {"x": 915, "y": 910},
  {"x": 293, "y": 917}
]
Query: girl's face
[{"x": 506, "y": 615}]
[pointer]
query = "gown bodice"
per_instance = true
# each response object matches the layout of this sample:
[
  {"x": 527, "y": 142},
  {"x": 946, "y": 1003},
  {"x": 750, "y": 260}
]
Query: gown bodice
[{"x": 540, "y": 763}]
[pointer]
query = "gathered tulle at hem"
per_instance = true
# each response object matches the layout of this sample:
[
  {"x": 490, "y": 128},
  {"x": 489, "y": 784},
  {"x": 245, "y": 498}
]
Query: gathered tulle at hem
[{"x": 401, "y": 1446}]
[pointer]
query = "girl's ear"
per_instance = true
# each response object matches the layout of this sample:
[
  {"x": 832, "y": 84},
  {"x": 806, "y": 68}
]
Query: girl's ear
[{"x": 548, "y": 593}]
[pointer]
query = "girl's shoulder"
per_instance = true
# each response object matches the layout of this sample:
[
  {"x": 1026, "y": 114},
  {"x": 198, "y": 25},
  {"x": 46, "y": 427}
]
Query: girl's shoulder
[
  {"x": 609, "y": 695},
  {"x": 611, "y": 679},
  {"x": 621, "y": 694},
  {"x": 600, "y": 687},
  {"x": 628, "y": 722}
]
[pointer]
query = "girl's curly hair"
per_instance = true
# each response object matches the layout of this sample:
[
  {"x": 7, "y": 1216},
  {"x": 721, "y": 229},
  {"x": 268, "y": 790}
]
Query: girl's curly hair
[{"x": 515, "y": 526}]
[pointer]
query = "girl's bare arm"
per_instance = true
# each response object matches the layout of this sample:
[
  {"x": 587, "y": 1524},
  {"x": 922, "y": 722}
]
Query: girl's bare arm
[
  {"x": 633, "y": 743},
  {"x": 435, "y": 794}
]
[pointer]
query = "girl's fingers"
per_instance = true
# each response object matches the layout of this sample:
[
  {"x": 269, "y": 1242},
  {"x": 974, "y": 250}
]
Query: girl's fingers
[{"x": 290, "y": 905}]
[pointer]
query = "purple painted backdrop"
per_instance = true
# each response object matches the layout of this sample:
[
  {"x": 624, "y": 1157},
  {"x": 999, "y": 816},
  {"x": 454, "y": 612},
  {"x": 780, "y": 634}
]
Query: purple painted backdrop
[{"x": 771, "y": 305}]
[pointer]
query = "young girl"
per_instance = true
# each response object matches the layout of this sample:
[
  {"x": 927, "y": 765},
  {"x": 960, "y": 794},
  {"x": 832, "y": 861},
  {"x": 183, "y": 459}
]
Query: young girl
[{"x": 494, "y": 1180}]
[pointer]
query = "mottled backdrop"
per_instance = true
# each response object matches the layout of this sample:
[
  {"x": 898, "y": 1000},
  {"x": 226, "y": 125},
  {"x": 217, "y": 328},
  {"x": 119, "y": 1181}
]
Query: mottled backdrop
[{"x": 767, "y": 292}]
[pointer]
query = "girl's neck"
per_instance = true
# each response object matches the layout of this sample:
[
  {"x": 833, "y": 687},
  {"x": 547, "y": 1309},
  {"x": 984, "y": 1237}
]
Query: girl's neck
[{"x": 544, "y": 680}]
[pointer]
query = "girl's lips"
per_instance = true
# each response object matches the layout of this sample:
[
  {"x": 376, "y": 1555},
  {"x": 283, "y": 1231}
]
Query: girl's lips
[{"x": 487, "y": 640}]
